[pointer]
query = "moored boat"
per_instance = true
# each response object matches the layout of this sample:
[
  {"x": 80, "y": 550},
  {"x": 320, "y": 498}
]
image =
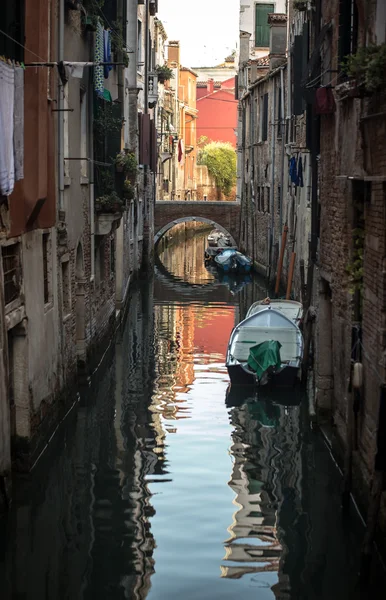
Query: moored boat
[
  {"x": 231, "y": 260},
  {"x": 217, "y": 242},
  {"x": 267, "y": 345}
]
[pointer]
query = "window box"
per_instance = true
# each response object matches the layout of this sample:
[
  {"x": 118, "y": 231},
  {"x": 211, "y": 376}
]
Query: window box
[{"x": 105, "y": 223}]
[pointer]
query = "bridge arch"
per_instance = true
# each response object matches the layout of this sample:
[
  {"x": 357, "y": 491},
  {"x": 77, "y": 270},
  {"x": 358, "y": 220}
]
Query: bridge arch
[
  {"x": 170, "y": 225},
  {"x": 223, "y": 215}
]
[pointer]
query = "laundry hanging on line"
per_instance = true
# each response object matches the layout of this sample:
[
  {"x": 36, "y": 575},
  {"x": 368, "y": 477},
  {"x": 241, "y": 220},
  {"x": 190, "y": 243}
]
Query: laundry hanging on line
[
  {"x": 98, "y": 56},
  {"x": 11, "y": 126}
]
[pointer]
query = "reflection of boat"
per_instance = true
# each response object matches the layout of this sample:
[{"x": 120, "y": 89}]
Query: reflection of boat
[
  {"x": 235, "y": 281},
  {"x": 231, "y": 260},
  {"x": 237, "y": 395},
  {"x": 267, "y": 345}
]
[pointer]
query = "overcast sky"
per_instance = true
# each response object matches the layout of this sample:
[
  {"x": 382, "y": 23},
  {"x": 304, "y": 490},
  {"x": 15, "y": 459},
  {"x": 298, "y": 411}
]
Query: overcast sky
[{"x": 207, "y": 29}]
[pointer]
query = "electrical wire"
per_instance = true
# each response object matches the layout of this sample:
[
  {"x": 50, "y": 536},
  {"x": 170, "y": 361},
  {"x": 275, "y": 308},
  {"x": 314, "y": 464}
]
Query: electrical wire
[{"x": 37, "y": 56}]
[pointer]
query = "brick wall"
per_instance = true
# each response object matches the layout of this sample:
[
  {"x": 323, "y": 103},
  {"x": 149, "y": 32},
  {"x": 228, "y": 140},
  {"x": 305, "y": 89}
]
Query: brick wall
[
  {"x": 226, "y": 214},
  {"x": 352, "y": 150}
]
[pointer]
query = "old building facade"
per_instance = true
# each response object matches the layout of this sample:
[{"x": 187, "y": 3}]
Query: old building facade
[
  {"x": 77, "y": 199},
  {"x": 312, "y": 188}
]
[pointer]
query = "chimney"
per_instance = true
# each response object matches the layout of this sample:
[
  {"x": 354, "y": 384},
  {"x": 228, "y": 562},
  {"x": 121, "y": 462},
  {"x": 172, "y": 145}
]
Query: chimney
[
  {"x": 210, "y": 86},
  {"x": 174, "y": 53},
  {"x": 244, "y": 47},
  {"x": 277, "y": 38}
]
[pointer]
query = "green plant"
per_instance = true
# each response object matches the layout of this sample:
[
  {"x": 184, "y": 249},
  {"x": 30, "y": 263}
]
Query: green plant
[
  {"x": 109, "y": 203},
  {"x": 106, "y": 121},
  {"x": 118, "y": 43},
  {"x": 126, "y": 161},
  {"x": 128, "y": 190},
  {"x": 367, "y": 66},
  {"x": 355, "y": 267},
  {"x": 220, "y": 158},
  {"x": 300, "y": 4},
  {"x": 105, "y": 180},
  {"x": 164, "y": 73}
]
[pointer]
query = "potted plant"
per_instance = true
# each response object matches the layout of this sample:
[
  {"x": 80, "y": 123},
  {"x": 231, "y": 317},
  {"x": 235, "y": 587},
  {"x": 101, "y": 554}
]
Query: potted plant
[
  {"x": 110, "y": 203},
  {"x": 164, "y": 73},
  {"x": 128, "y": 190},
  {"x": 367, "y": 67},
  {"x": 90, "y": 22},
  {"x": 126, "y": 162}
]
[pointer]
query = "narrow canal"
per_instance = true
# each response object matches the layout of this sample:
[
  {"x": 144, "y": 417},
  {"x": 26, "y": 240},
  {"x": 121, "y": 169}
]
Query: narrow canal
[{"x": 160, "y": 486}]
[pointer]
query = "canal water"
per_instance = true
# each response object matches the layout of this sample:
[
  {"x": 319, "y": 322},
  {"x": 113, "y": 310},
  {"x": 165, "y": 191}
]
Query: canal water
[{"x": 162, "y": 485}]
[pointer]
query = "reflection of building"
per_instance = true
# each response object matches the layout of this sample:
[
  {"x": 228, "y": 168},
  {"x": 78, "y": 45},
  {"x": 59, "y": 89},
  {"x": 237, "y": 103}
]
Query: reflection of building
[{"x": 80, "y": 528}]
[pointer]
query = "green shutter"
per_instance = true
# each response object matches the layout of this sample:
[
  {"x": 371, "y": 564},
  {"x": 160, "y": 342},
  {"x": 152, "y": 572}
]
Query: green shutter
[{"x": 261, "y": 24}]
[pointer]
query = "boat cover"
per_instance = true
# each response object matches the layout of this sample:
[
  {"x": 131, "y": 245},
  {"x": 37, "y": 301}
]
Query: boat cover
[{"x": 263, "y": 356}]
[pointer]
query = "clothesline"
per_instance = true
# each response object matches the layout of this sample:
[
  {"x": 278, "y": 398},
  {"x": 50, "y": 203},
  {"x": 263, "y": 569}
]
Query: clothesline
[{"x": 67, "y": 63}]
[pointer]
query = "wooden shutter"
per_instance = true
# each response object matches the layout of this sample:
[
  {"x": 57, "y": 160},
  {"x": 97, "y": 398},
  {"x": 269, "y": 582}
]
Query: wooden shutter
[{"x": 261, "y": 24}]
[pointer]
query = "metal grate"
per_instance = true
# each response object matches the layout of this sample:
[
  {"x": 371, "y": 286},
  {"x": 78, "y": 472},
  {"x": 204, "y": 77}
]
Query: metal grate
[{"x": 11, "y": 272}]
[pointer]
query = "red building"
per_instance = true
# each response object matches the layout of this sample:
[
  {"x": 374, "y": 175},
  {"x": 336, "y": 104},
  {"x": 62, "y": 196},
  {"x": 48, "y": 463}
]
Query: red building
[{"x": 217, "y": 111}]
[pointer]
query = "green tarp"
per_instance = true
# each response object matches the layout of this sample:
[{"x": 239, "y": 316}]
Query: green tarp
[{"x": 263, "y": 356}]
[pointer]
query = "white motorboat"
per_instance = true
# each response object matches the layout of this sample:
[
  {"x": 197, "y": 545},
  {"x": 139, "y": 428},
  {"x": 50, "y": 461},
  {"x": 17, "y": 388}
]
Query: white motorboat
[{"x": 267, "y": 344}]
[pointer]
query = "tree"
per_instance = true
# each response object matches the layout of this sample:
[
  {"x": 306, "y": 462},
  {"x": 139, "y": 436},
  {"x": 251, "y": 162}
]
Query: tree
[{"x": 220, "y": 158}]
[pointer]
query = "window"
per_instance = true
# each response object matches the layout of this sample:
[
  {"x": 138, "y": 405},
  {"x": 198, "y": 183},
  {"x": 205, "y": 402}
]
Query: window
[
  {"x": 262, "y": 199},
  {"x": 348, "y": 28},
  {"x": 47, "y": 268},
  {"x": 83, "y": 133},
  {"x": 279, "y": 123},
  {"x": 264, "y": 118},
  {"x": 261, "y": 24},
  {"x": 268, "y": 200},
  {"x": 12, "y": 23},
  {"x": 112, "y": 257},
  {"x": 139, "y": 48},
  {"x": 66, "y": 131},
  {"x": 278, "y": 199},
  {"x": 11, "y": 272},
  {"x": 66, "y": 291},
  {"x": 99, "y": 261}
]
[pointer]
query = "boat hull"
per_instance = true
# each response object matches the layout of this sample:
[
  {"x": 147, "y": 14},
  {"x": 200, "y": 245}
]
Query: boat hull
[{"x": 287, "y": 377}]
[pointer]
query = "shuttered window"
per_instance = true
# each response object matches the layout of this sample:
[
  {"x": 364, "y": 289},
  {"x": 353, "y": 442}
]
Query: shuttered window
[{"x": 261, "y": 24}]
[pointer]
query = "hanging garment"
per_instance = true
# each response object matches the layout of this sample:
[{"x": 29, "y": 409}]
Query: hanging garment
[
  {"x": 7, "y": 97},
  {"x": 18, "y": 120},
  {"x": 107, "y": 52},
  {"x": 293, "y": 171},
  {"x": 324, "y": 101},
  {"x": 98, "y": 56},
  {"x": 300, "y": 172}
]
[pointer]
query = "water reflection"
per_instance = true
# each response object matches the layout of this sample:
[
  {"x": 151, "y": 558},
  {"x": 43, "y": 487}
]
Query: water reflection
[{"x": 163, "y": 485}]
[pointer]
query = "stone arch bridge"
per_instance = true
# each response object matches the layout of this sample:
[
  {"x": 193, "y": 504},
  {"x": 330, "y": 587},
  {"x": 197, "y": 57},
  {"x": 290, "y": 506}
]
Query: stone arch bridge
[{"x": 224, "y": 216}]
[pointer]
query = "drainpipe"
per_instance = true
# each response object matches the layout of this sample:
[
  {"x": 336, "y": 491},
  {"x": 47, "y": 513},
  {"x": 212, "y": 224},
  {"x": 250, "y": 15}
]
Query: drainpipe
[
  {"x": 252, "y": 169},
  {"x": 283, "y": 135},
  {"x": 91, "y": 173},
  {"x": 272, "y": 194},
  {"x": 61, "y": 111}
]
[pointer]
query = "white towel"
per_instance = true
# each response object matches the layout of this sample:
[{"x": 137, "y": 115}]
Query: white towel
[
  {"x": 7, "y": 95},
  {"x": 18, "y": 134}
]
